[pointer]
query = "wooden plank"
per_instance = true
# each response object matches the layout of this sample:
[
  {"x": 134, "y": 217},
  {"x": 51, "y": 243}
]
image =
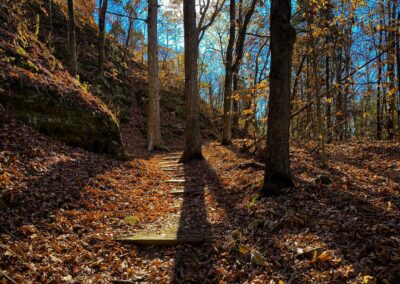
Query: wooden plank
[
  {"x": 172, "y": 169},
  {"x": 172, "y": 156},
  {"x": 168, "y": 158},
  {"x": 161, "y": 239},
  {"x": 175, "y": 181},
  {"x": 168, "y": 163},
  {"x": 183, "y": 190}
]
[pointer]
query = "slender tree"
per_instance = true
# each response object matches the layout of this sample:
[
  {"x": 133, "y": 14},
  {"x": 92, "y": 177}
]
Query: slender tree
[
  {"x": 232, "y": 65},
  {"x": 153, "y": 114},
  {"x": 193, "y": 34},
  {"x": 239, "y": 52},
  {"x": 71, "y": 39},
  {"x": 390, "y": 123},
  {"x": 102, "y": 26},
  {"x": 51, "y": 24},
  {"x": 227, "y": 118},
  {"x": 283, "y": 35},
  {"x": 192, "y": 148}
]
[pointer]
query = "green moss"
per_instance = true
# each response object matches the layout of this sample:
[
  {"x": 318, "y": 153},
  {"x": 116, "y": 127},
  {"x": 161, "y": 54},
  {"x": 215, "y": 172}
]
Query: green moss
[
  {"x": 180, "y": 111},
  {"x": 75, "y": 125}
]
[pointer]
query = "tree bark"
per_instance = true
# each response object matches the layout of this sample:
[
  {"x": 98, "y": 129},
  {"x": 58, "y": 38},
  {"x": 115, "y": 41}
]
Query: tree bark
[
  {"x": 192, "y": 148},
  {"x": 227, "y": 117},
  {"x": 235, "y": 106},
  {"x": 128, "y": 37},
  {"x": 398, "y": 73},
  {"x": 102, "y": 26},
  {"x": 72, "y": 39},
  {"x": 328, "y": 111},
  {"x": 51, "y": 24},
  {"x": 378, "y": 89},
  {"x": 390, "y": 70},
  {"x": 283, "y": 35},
  {"x": 231, "y": 118},
  {"x": 153, "y": 114}
]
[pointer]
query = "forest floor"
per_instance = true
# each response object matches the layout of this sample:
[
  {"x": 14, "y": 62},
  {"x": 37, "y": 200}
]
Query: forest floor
[{"x": 62, "y": 208}]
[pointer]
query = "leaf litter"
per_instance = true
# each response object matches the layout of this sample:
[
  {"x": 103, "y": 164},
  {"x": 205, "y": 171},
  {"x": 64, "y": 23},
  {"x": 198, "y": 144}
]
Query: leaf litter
[{"x": 61, "y": 207}]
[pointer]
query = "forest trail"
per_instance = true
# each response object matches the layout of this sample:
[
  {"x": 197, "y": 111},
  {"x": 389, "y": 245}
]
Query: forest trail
[
  {"x": 189, "y": 224},
  {"x": 66, "y": 206}
]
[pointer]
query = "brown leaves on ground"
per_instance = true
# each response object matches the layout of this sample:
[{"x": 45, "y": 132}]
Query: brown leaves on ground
[{"x": 61, "y": 207}]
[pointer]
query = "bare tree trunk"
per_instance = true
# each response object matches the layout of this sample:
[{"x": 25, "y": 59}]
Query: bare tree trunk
[
  {"x": 211, "y": 99},
  {"x": 71, "y": 39},
  {"x": 234, "y": 66},
  {"x": 309, "y": 119},
  {"x": 51, "y": 24},
  {"x": 328, "y": 111},
  {"x": 192, "y": 128},
  {"x": 227, "y": 118},
  {"x": 398, "y": 73},
  {"x": 378, "y": 89},
  {"x": 235, "y": 119},
  {"x": 320, "y": 127},
  {"x": 153, "y": 114},
  {"x": 339, "y": 99},
  {"x": 128, "y": 38},
  {"x": 102, "y": 26},
  {"x": 390, "y": 70},
  {"x": 283, "y": 36}
]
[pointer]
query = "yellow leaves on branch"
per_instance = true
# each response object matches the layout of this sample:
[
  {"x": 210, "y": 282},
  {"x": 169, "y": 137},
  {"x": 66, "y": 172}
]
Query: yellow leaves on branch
[{"x": 391, "y": 92}]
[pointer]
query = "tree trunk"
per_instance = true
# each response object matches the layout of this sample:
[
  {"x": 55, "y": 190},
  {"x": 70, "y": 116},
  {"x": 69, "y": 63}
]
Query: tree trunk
[
  {"x": 211, "y": 100},
  {"x": 192, "y": 128},
  {"x": 102, "y": 26},
  {"x": 51, "y": 24},
  {"x": 398, "y": 73},
  {"x": 328, "y": 111},
  {"x": 283, "y": 35},
  {"x": 339, "y": 99},
  {"x": 390, "y": 70},
  {"x": 71, "y": 39},
  {"x": 227, "y": 118},
  {"x": 128, "y": 38},
  {"x": 153, "y": 114},
  {"x": 309, "y": 119},
  {"x": 235, "y": 119},
  {"x": 378, "y": 89}
]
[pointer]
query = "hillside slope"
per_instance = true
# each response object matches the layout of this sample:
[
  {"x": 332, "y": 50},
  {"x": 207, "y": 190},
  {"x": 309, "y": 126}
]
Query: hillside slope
[
  {"x": 37, "y": 89},
  {"x": 124, "y": 86}
]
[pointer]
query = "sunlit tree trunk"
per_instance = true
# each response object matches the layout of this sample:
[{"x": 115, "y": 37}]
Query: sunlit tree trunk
[
  {"x": 153, "y": 114},
  {"x": 390, "y": 70},
  {"x": 72, "y": 39},
  {"x": 192, "y": 148},
  {"x": 277, "y": 173}
]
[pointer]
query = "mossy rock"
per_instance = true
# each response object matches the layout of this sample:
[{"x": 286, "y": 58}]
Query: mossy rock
[{"x": 66, "y": 120}]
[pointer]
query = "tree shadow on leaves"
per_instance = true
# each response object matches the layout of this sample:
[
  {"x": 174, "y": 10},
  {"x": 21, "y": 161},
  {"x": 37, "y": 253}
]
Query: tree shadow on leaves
[
  {"x": 360, "y": 233},
  {"x": 192, "y": 263},
  {"x": 58, "y": 187}
]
